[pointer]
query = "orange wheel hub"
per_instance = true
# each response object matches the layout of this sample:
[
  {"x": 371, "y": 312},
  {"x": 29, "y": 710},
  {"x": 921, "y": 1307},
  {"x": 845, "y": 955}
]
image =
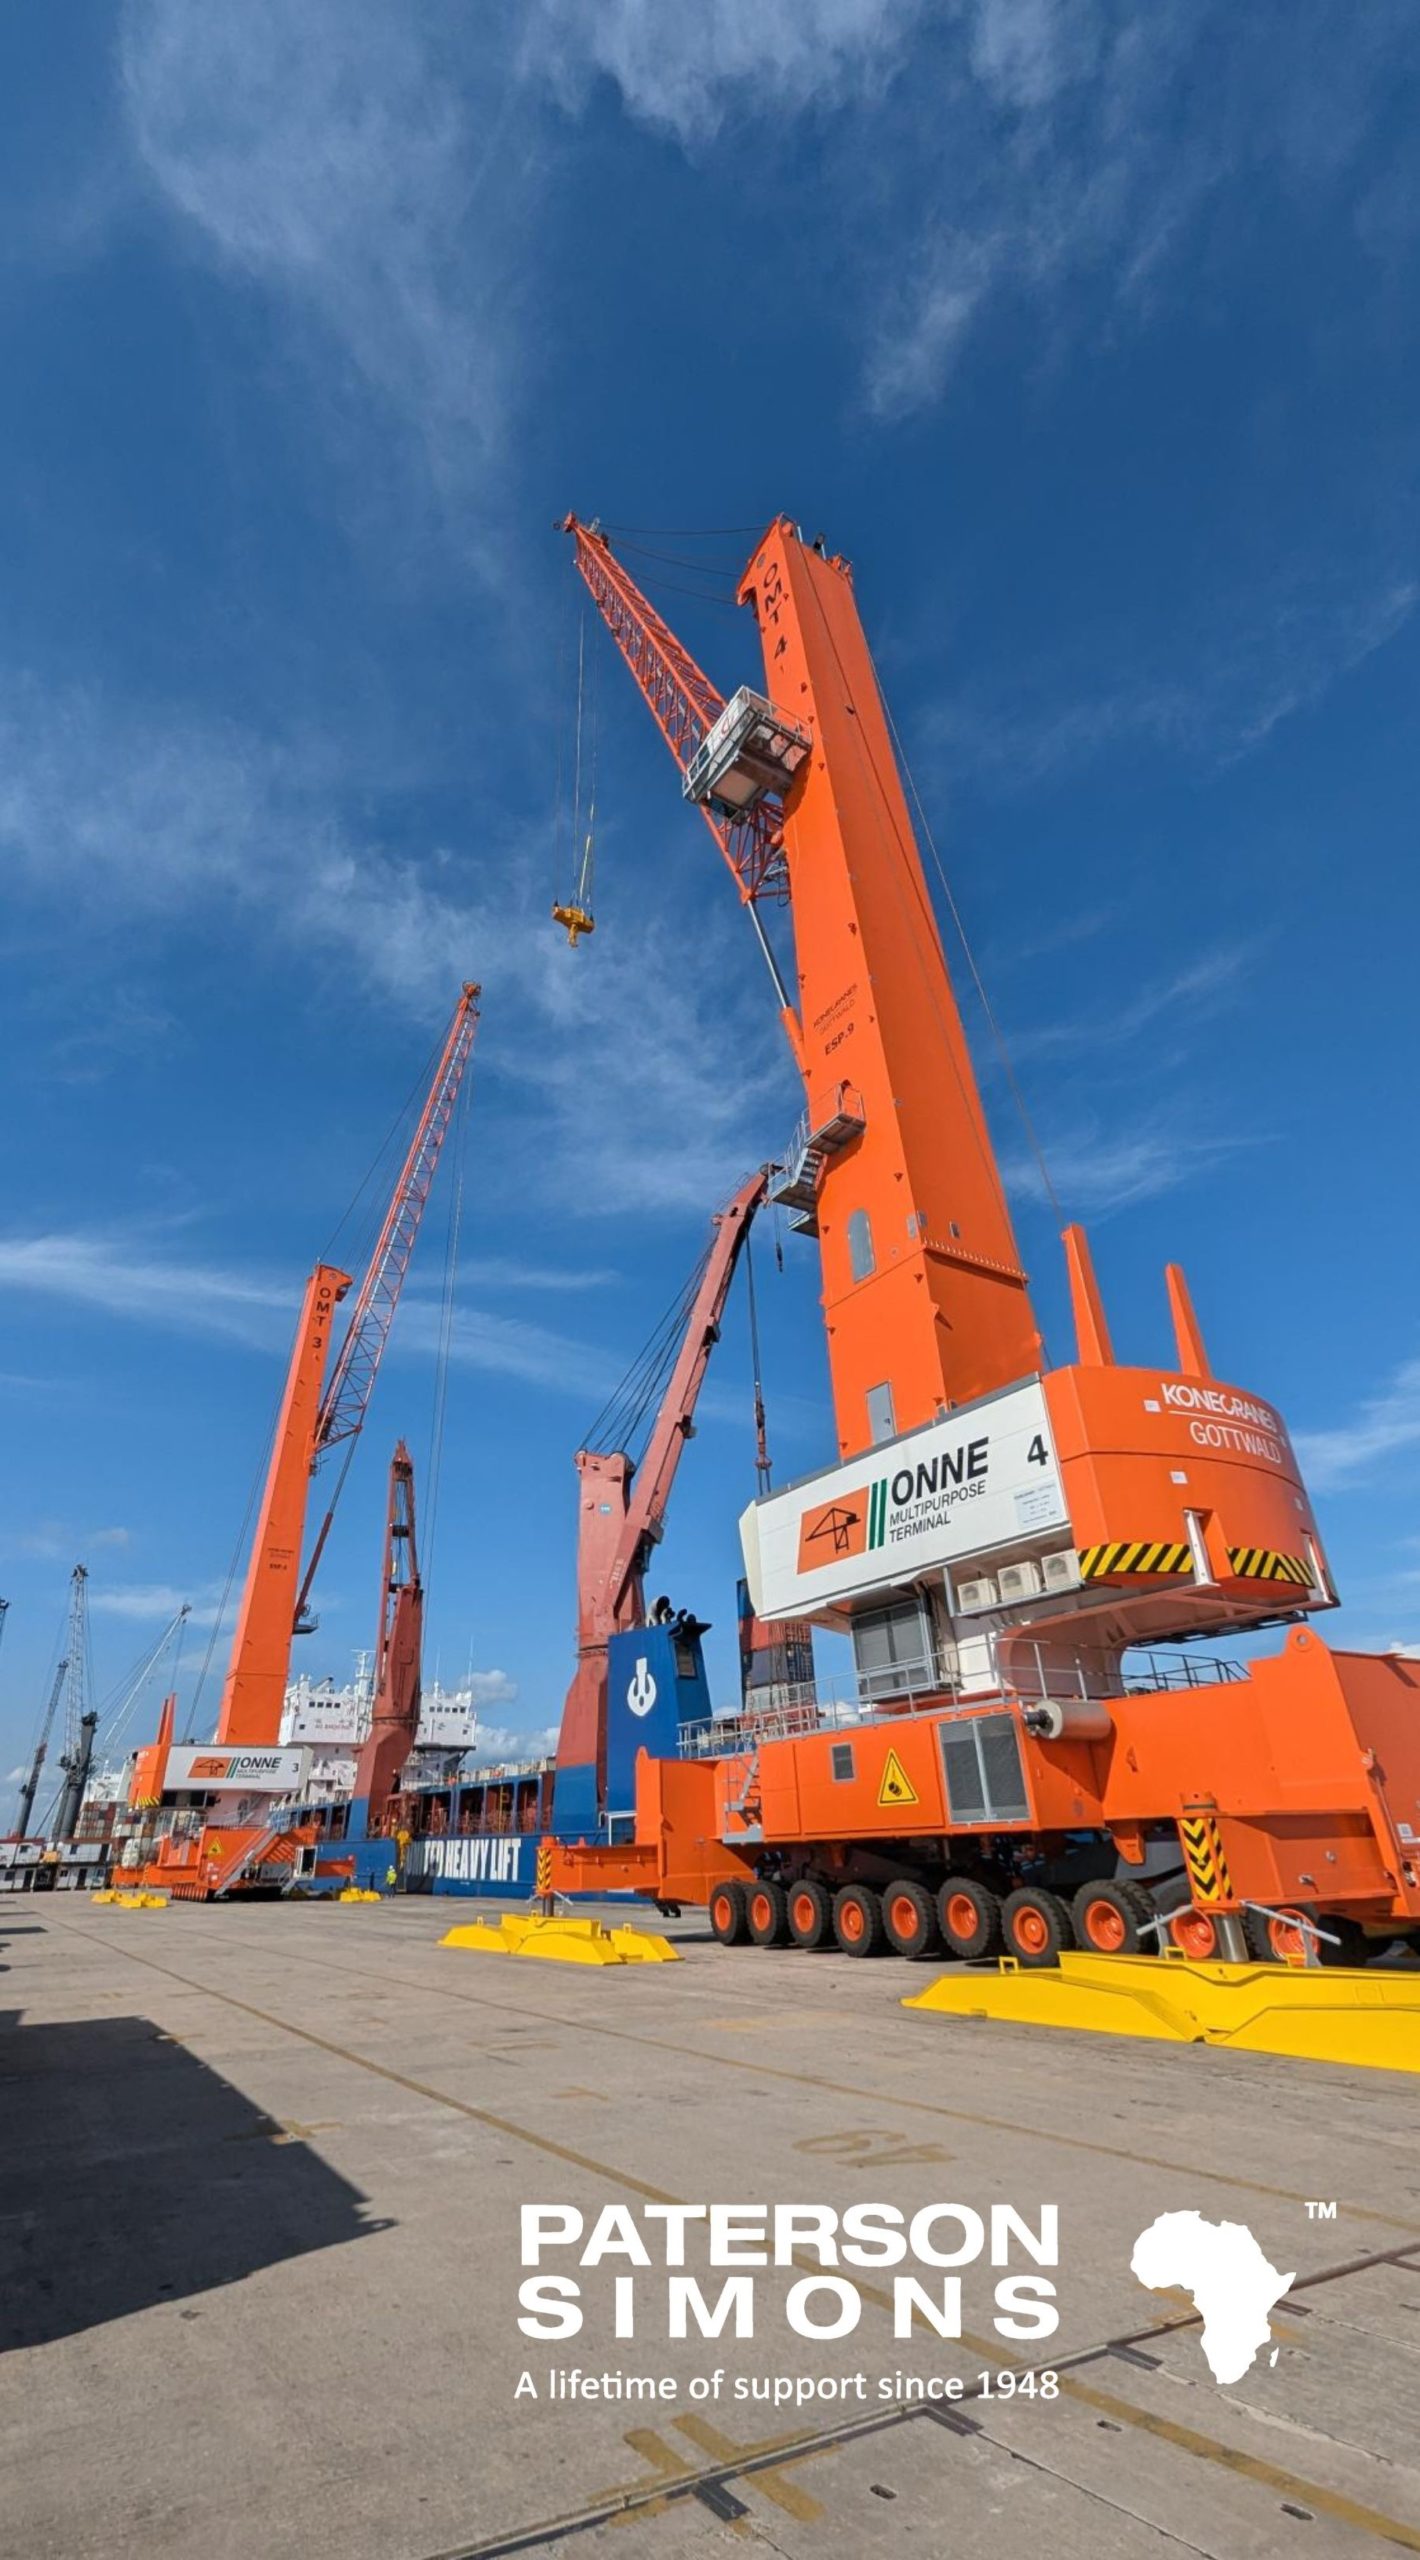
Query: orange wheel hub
[
  {"x": 802, "y": 1911},
  {"x": 1031, "y": 1932},
  {"x": 759, "y": 1911},
  {"x": 963, "y": 1918},
  {"x": 903, "y": 1916},
  {"x": 1195, "y": 1934},
  {"x": 1287, "y": 1939},
  {"x": 853, "y": 1922},
  {"x": 1104, "y": 1927}
]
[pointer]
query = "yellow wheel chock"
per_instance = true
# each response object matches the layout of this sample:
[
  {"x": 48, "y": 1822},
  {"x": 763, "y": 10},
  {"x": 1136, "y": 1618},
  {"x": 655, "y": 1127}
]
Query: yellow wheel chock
[
  {"x": 561, "y": 1938},
  {"x": 131, "y": 1901},
  {"x": 1364, "y": 2020},
  {"x": 357, "y": 1893}
]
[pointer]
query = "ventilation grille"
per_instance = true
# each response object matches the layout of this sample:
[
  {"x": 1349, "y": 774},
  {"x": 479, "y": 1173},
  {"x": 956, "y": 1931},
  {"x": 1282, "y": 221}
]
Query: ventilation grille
[{"x": 981, "y": 1760}]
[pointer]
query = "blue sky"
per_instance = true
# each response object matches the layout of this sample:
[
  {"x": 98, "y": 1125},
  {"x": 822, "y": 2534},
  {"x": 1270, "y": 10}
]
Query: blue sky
[{"x": 1088, "y": 331}]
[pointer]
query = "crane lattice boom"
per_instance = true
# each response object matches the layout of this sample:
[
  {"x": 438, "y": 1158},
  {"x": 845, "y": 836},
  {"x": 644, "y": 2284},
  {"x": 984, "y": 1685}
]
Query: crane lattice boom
[
  {"x": 346, "y": 1399},
  {"x": 683, "y": 703}
]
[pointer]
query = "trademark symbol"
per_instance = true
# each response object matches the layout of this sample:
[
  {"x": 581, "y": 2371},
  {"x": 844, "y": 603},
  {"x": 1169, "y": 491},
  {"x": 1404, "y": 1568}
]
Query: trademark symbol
[{"x": 1320, "y": 2212}]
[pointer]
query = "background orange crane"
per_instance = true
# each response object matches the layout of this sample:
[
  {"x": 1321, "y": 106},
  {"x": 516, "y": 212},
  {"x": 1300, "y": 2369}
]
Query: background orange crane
[{"x": 275, "y": 1598}]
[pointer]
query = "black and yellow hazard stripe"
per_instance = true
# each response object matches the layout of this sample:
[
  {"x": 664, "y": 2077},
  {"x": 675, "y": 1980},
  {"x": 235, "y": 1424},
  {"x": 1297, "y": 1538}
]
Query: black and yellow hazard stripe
[
  {"x": 1264, "y": 1564},
  {"x": 1203, "y": 1854},
  {"x": 1136, "y": 1555},
  {"x": 543, "y": 1882}
]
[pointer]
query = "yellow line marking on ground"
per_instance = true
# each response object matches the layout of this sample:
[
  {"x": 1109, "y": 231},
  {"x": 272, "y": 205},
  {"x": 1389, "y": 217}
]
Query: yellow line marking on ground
[
  {"x": 883, "y": 2097},
  {"x": 654, "y": 2449},
  {"x": 787, "y": 2494}
]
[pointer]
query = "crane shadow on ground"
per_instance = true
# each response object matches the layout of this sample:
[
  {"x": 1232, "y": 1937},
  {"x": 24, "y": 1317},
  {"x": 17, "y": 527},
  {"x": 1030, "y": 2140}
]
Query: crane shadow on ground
[{"x": 132, "y": 2174}]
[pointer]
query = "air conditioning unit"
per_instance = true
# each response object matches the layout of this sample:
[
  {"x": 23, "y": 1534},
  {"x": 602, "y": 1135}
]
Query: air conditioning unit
[
  {"x": 980, "y": 1594},
  {"x": 1062, "y": 1570},
  {"x": 1020, "y": 1581}
]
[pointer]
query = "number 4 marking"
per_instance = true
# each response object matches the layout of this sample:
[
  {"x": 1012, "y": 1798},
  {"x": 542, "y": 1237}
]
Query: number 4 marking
[{"x": 1037, "y": 1454}]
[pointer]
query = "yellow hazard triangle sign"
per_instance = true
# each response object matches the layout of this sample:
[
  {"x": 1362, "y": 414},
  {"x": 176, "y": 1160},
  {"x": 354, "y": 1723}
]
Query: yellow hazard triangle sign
[{"x": 895, "y": 1786}]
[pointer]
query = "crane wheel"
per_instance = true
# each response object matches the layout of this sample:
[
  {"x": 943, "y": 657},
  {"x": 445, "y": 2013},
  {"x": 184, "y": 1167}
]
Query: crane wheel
[
  {"x": 729, "y": 1919},
  {"x": 1036, "y": 1926},
  {"x": 858, "y": 1920},
  {"x": 1195, "y": 1934},
  {"x": 970, "y": 1917},
  {"x": 1277, "y": 1939},
  {"x": 810, "y": 1913},
  {"x": 1353, "y": 1948},
  {"x": 767, "y": 1911},
  {"x": 910, "y": 1919},
  {"x": 1111, "y": 1919}
]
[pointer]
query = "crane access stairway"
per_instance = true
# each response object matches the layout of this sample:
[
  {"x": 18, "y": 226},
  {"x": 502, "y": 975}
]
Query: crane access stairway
[{"x": 808, "y": 1153}]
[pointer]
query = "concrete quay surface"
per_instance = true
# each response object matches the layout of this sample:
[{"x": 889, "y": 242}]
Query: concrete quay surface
[{"x": 261, "y": 2171}]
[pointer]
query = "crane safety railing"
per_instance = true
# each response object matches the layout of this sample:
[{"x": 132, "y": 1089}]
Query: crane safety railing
[{"x": 795, "y": 1709}]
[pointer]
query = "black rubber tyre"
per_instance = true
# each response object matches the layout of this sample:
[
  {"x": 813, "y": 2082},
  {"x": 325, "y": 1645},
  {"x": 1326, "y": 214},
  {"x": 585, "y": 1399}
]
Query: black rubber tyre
[
  {"x": 858, "y": 1920},
  {"x": 729, "y": 1920},
  {"x": 1036, "y": 1926},
  {"x": 1354, "y": 1947},
  {"x": 767, "y": 1912},
  {"x": 810, "y": 1913},
  {"x": 1110, "y": 1919},
  {"x": 969, "y": 1916},
  {"x": 910, "y": 1919}
]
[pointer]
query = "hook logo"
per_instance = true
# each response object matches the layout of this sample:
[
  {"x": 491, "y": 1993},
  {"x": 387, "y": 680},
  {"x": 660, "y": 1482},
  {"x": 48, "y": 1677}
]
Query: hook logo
[{"x": 641, "y": 1692}]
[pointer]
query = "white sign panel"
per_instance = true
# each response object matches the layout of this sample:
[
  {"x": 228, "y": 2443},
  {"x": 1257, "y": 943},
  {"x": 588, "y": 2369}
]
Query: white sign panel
[
  {"x": 984, "y": 1477},
  {"x": 197, "y": 1765}
]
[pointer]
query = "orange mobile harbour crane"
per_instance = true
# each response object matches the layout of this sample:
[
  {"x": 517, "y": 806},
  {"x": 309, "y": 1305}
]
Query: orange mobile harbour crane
[
  {"x": 1001, "y": 1540},
  {"x": 208, "y": 1857}
]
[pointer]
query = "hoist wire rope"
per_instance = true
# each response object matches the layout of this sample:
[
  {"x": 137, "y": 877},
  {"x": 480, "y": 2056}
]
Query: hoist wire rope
[
  {"x": 370, "y": 1229},
  {"x": 682, "y": 532},
  {"x": 679, "y": 560},
  {"x": 444, "y": 1352},
  {"x": 618, "y": 1424},
  {"x": 761, "y": 1443},
  {"x": 998, "y": 1036},
  {"x": 238, "y": 1550},
  {"x": 577, "y": 740},
  {"x": 584, "y": 834},
  {"x": 116, "y": 1719}
]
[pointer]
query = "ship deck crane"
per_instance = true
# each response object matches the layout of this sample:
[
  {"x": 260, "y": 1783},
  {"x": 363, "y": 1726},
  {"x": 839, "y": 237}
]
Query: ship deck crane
[
  {"x": 621, "y": 1510},
  {"x": 394, "y": 1715},
  {"x": 30, "y": 1788},
  {"x": 997, "y": 1536},
  {"x": 312, "y": 1422}
]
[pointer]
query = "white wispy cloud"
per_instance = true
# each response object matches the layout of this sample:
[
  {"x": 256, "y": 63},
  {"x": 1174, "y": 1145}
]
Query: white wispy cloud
[
  {"x": 625, "y": 1093},
  {"x": 1284, "y": 646},
  {"x": 155, "y": 1602},
  {"x": 1195, "y": 991},
  {"x": 1056, "y": 141},
  {"x": 348, "y": 160},
  {"x": 688, "y": 71},
  {"x": 126, "y": 1277},
  {"x": 1384, "y": 1426},
  {"x": 1096, "y": 1170}
]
